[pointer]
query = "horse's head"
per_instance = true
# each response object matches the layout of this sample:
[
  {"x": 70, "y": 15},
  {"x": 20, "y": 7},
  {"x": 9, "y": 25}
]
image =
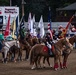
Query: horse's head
[
  {"x": 35, "y": 40},
  {"x": 67, "y": 44},
  {"x": 72, "y": 39},
  {"x": 75, "y": 38}
]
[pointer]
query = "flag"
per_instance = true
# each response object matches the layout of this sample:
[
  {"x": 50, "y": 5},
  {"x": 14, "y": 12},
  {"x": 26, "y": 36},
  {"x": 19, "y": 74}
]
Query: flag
[
  {"x": 64, "y": 32},
  {"x": 22, "y": 23},
  {"x": 41, "y": 26},
  {"x": 34, "y": 26},
  {"x": 31, "y": 27},
  {"x": 49, "y": 24},
  {"x": 17, "y": 26},
  {"x": 69, "y": 22},
  {"x": 14, "y": 29},
  {"x": 29, "y": 22},
  {"x": 7, "y": 31}
]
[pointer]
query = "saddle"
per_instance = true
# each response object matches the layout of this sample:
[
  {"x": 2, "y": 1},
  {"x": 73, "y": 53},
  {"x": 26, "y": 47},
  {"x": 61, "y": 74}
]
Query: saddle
[{"x": 50, "y": 51}]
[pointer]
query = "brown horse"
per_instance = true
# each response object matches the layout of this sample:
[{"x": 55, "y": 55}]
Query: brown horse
[
  {"x": 24, "y": 45},
  {"x": 41, "y": 50},
  {"x": 72, "y": 40},
  {"x": 32, "y": 41},
  {"x": 15, "y": 51}
]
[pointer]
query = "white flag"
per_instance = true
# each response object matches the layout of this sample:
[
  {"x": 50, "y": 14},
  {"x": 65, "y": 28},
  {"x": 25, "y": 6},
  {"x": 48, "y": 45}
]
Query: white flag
[
  {"x": 34, "y": 26},
  {"x": 31, "y": 27},
  {"x": 29, "y": 21},
  {"x": 41, "y": 26}
]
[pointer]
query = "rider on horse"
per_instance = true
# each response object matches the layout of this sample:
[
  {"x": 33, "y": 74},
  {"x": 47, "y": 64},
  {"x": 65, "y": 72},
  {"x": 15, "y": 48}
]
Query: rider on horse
[
  {"x": 48, "y": 43},
  {"x": 28, "y": 35},
  {"x": 22, "y": 33}
]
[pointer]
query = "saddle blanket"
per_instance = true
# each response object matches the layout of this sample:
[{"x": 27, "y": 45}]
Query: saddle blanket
[{"x": 45, "y": 48}]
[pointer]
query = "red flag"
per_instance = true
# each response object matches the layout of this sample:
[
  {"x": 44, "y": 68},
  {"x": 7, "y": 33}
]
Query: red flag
[
  {"x": 69, "y": 22},
  {"x": 7, "y": 31},
  {"x": 64, "y": 31}
]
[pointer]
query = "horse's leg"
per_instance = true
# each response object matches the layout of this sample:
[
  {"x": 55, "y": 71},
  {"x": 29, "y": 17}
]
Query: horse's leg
[
  {"x": 2, "y": 56},
  {"x": 35, "y": 62},
  {"x": 36, "y": 58},
  {"x": 60, "y": 61},
  {"x": 20, "y": 54},
  {"x": 5, "y": 56},
  {"x": 33, "y": 67},
  {"x": 9, "y": 56},
  {"x": 15, "y": 56},
  {"x": 27, "y": 55},
  {"x": 56, "y": 62},
  {"x": 48, "y": 62},
  {"x": 65, "y": 60},
  {"x": 44, "y": 61},
  {"x": 39, "y": 59}
]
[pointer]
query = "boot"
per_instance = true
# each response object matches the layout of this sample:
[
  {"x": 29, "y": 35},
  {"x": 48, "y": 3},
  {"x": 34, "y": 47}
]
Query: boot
[{"x": 49, "y": 51}]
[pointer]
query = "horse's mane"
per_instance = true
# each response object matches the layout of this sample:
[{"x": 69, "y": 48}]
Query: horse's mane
[{"x": 60, "y": 42}]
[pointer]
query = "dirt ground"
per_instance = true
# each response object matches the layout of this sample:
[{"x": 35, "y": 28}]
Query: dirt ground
[{"x": 24, "y": 68}]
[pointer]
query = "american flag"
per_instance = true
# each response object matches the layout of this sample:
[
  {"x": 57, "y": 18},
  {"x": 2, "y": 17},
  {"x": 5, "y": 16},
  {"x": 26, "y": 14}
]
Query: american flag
[{"x": 49, "y": 24}]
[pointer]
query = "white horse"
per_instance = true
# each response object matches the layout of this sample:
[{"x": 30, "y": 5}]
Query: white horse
[{"x": 6, "y": 48}]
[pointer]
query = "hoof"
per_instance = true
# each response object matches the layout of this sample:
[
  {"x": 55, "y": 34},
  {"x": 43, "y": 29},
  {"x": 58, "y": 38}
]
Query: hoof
[
  {"x": 22, "y": 60},
  {"x": 56, "y": 69},
  {"x": 33, "y": 68},
  {"x": 44, "y": 65},
  {"x": 65, "y": 67},
  {"x": 15, "y": 61},
  {"x": 51, "y": 66}
]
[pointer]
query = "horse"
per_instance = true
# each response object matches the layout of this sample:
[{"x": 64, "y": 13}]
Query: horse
[
  {"x": 6, "y": 47},
  {"x": 32, "y": 41},
  {"x": 24, "y": 45},
  {"x": 15, "y": 52},
  {"x": 72, "y": 40},
  {"x": 41, "y": 50}
]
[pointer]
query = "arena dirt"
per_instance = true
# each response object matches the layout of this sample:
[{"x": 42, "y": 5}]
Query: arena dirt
[{"x": 24, "y": 68}]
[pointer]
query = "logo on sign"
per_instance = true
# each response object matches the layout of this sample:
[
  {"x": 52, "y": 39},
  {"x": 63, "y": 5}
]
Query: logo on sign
[{"x": 10, "y": 10}]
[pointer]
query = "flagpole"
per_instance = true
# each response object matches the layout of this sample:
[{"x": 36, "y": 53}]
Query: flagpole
[
  {"x": 69, "y": 22},
  {"x": 10, "y": 2},
  {"x": 23, "y": 2}
]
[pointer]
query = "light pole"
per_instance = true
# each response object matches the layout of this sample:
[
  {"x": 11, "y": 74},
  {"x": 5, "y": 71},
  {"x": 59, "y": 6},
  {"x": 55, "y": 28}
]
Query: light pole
[
  {"x": 10, "y": 2},
  {"x": 23, "y": 7}
]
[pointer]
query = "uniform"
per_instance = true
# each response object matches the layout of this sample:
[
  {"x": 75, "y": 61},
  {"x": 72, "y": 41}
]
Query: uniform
[{"x": 48, "y": 43}]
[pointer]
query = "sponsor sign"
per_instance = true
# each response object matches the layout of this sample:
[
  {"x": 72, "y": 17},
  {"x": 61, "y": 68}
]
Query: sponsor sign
[{"x": 9, "y": 10}]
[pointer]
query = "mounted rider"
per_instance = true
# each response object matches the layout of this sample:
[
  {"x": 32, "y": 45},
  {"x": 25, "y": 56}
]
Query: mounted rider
[
  {"x": 22, "y": 33},
  {"x": 48, "y": 42},
  {"x": 28, "y": 35},
  {"x": 60, "y": 32}
]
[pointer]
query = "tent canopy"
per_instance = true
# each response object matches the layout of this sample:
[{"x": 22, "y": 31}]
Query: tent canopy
[{"x": 70, "y": 7}]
